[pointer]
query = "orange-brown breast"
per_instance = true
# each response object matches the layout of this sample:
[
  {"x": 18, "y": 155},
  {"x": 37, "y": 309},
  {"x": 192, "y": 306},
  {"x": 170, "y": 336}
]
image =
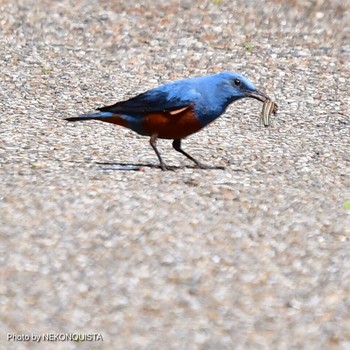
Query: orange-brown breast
[{"x": 172, "y": 125}]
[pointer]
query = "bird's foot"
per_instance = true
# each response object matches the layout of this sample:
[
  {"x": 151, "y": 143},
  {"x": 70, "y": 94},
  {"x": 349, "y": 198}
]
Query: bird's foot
[
  {"x": 198, "y": 165},
  {"x": 163, "y": 166}
]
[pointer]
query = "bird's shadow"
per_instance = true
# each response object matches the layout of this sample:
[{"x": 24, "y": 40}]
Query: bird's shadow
[{"x": 117, "y": 166}]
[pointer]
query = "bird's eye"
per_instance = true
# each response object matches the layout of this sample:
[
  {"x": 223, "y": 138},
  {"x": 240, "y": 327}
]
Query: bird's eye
[{"x": 237, "y": 82}]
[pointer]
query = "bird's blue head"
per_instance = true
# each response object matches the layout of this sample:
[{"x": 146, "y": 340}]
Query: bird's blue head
[{"x": 234, "y": 86}]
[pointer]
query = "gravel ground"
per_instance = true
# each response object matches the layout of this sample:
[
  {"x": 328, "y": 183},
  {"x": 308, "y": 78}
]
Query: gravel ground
[{"x": 255, "y": 256}]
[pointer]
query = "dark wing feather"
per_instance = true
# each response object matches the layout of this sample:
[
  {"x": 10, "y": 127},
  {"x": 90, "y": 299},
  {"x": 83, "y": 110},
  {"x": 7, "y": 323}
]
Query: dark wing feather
[{"x": 152, "y": 101}]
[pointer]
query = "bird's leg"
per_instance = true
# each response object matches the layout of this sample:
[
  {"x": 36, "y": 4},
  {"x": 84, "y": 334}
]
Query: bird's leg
[
  {"x": 177, "y": 147},
  {"x": 153, "y": 142}
]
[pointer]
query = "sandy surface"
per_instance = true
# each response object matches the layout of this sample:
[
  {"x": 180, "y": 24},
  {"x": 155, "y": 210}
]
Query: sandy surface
[{"x": 256, "y": 256}]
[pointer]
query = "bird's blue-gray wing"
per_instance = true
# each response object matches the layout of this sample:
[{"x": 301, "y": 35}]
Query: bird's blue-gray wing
[{"x": 166, "y": 98}]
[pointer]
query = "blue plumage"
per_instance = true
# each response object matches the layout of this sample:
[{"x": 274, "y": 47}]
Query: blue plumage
[{"x": 210, "y": 95}]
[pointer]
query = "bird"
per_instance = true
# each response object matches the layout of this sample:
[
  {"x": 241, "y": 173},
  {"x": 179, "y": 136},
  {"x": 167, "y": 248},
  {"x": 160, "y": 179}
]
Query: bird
[{"x": 177, "y": 109}]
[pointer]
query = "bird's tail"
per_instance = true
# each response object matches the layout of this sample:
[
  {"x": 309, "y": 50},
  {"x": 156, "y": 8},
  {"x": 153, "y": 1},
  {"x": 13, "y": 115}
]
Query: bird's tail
[{"x": 92, "y": 116}]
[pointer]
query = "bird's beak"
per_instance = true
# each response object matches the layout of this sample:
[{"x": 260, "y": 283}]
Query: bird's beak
[{"x": 258, "y": 95}]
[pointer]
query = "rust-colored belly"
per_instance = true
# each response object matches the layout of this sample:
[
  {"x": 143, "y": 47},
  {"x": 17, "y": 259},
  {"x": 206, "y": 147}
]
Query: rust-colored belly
[{"x": 168, "y": 126}]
